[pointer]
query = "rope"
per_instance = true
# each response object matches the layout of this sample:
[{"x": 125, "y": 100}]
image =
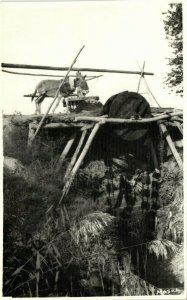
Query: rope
[
  {"x": 49, "y": 75},
  {"x": 147, "y": 86}
]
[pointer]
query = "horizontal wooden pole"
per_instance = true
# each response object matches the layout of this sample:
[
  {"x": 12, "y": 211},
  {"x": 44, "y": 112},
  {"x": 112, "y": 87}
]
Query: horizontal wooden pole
[
  {"x": 67, "y": 124},
  {"x": 23, "y": 66},
  {"x": 59, "y": 125},
  {"x": 127, "y": 121}
]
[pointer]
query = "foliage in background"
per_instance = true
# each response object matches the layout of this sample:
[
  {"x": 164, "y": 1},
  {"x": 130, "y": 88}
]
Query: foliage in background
[{"x": 173, "y": 29}]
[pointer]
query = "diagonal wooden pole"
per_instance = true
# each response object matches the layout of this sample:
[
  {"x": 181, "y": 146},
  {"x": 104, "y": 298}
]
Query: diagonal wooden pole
[
  {"x": 141, "y": 75},
  {"x": 74, "y": 157},
  {"x": 147, "y": 86},
  {"x": 66, "y": 150},
  {"x": 79, "y": 161},
  {"x": 55, "y": 97},
  {"x": 171, "y": 145}
]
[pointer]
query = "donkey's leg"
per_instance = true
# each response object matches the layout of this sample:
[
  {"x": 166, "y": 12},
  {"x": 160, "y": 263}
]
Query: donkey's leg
[
  {"x": 39, "y": 107},
  {"x": 38, "y": 102},
  {"x": 36, "y": 108},
  {"x": 67, "y": 105}
]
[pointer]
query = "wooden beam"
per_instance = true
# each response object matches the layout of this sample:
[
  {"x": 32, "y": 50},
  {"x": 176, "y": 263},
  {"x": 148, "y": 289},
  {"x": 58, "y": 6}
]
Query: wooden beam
[
  {"x": 171, "y": 145},
  {"x": 23, "y": 66},
  {"x": 127, "y": 121}
]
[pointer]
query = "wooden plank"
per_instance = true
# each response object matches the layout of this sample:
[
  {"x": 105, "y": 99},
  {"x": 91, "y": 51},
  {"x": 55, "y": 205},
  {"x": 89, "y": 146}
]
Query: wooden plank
[{"x": 38, "y": 67}]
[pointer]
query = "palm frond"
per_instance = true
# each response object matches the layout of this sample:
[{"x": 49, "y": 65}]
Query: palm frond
[
  {"x": 91, "y": 226},
  {"x": 162, "y": 248}
]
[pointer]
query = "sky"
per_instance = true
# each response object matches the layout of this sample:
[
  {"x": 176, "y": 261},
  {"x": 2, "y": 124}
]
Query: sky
[{"x": 116, "y": 35}]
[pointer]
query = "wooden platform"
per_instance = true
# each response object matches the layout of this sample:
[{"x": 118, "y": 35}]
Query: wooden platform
[{"x": 68, "y": 118}]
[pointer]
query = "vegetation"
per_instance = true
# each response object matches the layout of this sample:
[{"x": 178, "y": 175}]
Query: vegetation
[
  {"x": 102, "y": 240},
  {"x": 173, "y": 28}
]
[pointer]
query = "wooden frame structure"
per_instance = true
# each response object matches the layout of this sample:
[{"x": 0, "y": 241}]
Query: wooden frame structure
[
  {"x": 90, "y": 125},
  {"x": 88, "y": 128}
]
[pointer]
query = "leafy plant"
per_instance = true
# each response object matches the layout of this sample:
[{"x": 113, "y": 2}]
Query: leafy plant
[
  {"x": 173, "y": 28},
  {"x": 162, "y": 248}
]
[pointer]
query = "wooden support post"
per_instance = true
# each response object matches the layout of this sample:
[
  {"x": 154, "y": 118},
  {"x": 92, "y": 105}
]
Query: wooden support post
[
  {"x": 78, "y": 162},
  {"x": 141, "y": 75},
  {"x": 171, "y": 145},
  {"x": 74, "y": 158},
  {"x": 66, "y": 150}
]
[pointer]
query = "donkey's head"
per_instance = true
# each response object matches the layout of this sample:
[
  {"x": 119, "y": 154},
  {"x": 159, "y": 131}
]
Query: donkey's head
[{"x": 81, "y": 84}]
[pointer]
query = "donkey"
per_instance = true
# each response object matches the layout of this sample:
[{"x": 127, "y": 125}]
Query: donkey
[{"x": 48, "y": 88}]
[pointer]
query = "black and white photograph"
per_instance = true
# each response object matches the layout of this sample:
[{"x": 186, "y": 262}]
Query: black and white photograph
[{"x": 92, "y": 149}]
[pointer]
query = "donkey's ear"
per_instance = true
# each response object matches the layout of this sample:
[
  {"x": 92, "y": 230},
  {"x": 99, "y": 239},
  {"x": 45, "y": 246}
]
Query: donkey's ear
[{"x": 84, "y": 76}]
